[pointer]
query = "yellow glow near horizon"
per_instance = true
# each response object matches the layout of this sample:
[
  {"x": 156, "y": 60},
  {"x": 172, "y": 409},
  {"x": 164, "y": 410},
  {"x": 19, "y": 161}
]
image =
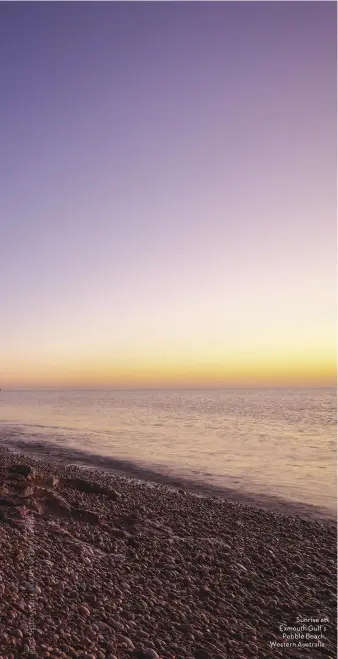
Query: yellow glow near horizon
[
  {"x": 262, "y": 340},
  {"x": 298, "y": 371}
]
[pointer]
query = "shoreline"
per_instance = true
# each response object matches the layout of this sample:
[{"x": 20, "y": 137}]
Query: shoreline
[
  {"x": 143, "y": 474},
  {"x": 121, "y": 569}
]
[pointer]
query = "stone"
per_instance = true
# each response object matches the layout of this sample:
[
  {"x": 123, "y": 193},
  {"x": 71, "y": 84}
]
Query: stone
[
  {"x": 149, "y": 653},
  {"x": 102, "y": 625},
  {"x": 118, "y": 533},
  {"x": 18, "y": 633},
  {"x": 7, "y": 502},
  {"x": 201, "y": 654},
  {"x": 204, "y": 591},
  {"x": 117, "y": 626},
  {"x": 23, "y": 470},
  {"x": 84, "y": 610},
  {"x": 53, "y": 502},
  {"x": 88, "y": 487},
  {"x": 83, "y": 515},
  {"x": 127, "y": 641},
  {"x": 47, "y": 480}
]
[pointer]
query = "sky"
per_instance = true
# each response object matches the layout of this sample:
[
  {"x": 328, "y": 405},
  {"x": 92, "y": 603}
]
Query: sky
[{"x": 167, "y": 194}]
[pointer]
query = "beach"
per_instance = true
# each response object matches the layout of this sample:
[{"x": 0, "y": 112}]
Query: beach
[{"x": 98, "y": 565}]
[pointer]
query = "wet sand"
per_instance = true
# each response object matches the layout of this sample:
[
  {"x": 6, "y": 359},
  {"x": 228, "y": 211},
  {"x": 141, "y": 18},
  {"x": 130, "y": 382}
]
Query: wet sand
[{"x": 96, "y": 565}]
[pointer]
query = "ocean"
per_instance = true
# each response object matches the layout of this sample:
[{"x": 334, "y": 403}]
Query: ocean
[{"x": 272, "y": 447}]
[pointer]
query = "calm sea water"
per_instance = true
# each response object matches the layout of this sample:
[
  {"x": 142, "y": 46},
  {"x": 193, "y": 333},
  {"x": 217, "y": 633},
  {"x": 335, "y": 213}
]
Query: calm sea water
[{"x": 276, "y": 446}]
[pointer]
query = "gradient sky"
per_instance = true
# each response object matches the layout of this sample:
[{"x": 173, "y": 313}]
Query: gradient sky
[{"x": 167, "y": 194}]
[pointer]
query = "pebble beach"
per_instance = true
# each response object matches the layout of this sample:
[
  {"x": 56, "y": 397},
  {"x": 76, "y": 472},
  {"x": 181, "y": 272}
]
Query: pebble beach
[{"x": 96, "y": 565}]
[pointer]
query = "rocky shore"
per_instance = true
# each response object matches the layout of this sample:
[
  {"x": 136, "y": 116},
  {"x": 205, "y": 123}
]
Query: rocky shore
[{"x": 97, "y": 566}]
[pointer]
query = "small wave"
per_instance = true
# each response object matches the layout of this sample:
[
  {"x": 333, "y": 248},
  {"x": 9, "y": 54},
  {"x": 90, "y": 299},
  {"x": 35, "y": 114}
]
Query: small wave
[{"x": 39, "y": 425}]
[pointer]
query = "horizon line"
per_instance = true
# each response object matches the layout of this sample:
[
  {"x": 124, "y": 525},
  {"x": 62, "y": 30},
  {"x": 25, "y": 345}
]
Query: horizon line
[{"x": 216, "y": 388}]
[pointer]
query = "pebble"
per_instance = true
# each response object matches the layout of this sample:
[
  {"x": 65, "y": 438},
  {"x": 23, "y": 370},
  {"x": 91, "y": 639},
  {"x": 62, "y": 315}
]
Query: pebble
[
  {"x": 84, "y": 610},
  {"x": 117, "y": 626},
  {"x": 92, "y": 602},
  {"x": 126, "y": 640}
]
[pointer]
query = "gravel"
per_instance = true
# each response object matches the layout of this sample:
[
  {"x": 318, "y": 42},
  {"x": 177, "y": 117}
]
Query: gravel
[{"x": 98, "y": 566}]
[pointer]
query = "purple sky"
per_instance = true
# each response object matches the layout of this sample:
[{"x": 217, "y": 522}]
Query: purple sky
[{"x": 167, "y": 188}]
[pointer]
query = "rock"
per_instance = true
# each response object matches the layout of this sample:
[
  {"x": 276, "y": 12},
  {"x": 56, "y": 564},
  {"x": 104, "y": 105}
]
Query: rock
[
  {"x": 88, "y": 487},
  {"x": 83, "y": 515},
  {"x": 34, "y": 505},
  {"x": 47, "y": 480},
  {"x": 117, "y": 626},
  {"x": 18, "y": 633},
  {"x": 23, "y": 470},
  {"x": 127, "y": 641},
  {"x": 118, "y": 533},
  {"x": 17, "y": 484},
  {"x": 130, "y": 519},
  {"x": 102, "y": 625},
  {"x": 7, "y": 502},
  {"x": 84, "y": 610},
  {"x": 204, "y": 591},
  {"x": 201, "y": 654},
  {"x": 149, "y": 653},
  {"x": 54, "y": 503}
]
